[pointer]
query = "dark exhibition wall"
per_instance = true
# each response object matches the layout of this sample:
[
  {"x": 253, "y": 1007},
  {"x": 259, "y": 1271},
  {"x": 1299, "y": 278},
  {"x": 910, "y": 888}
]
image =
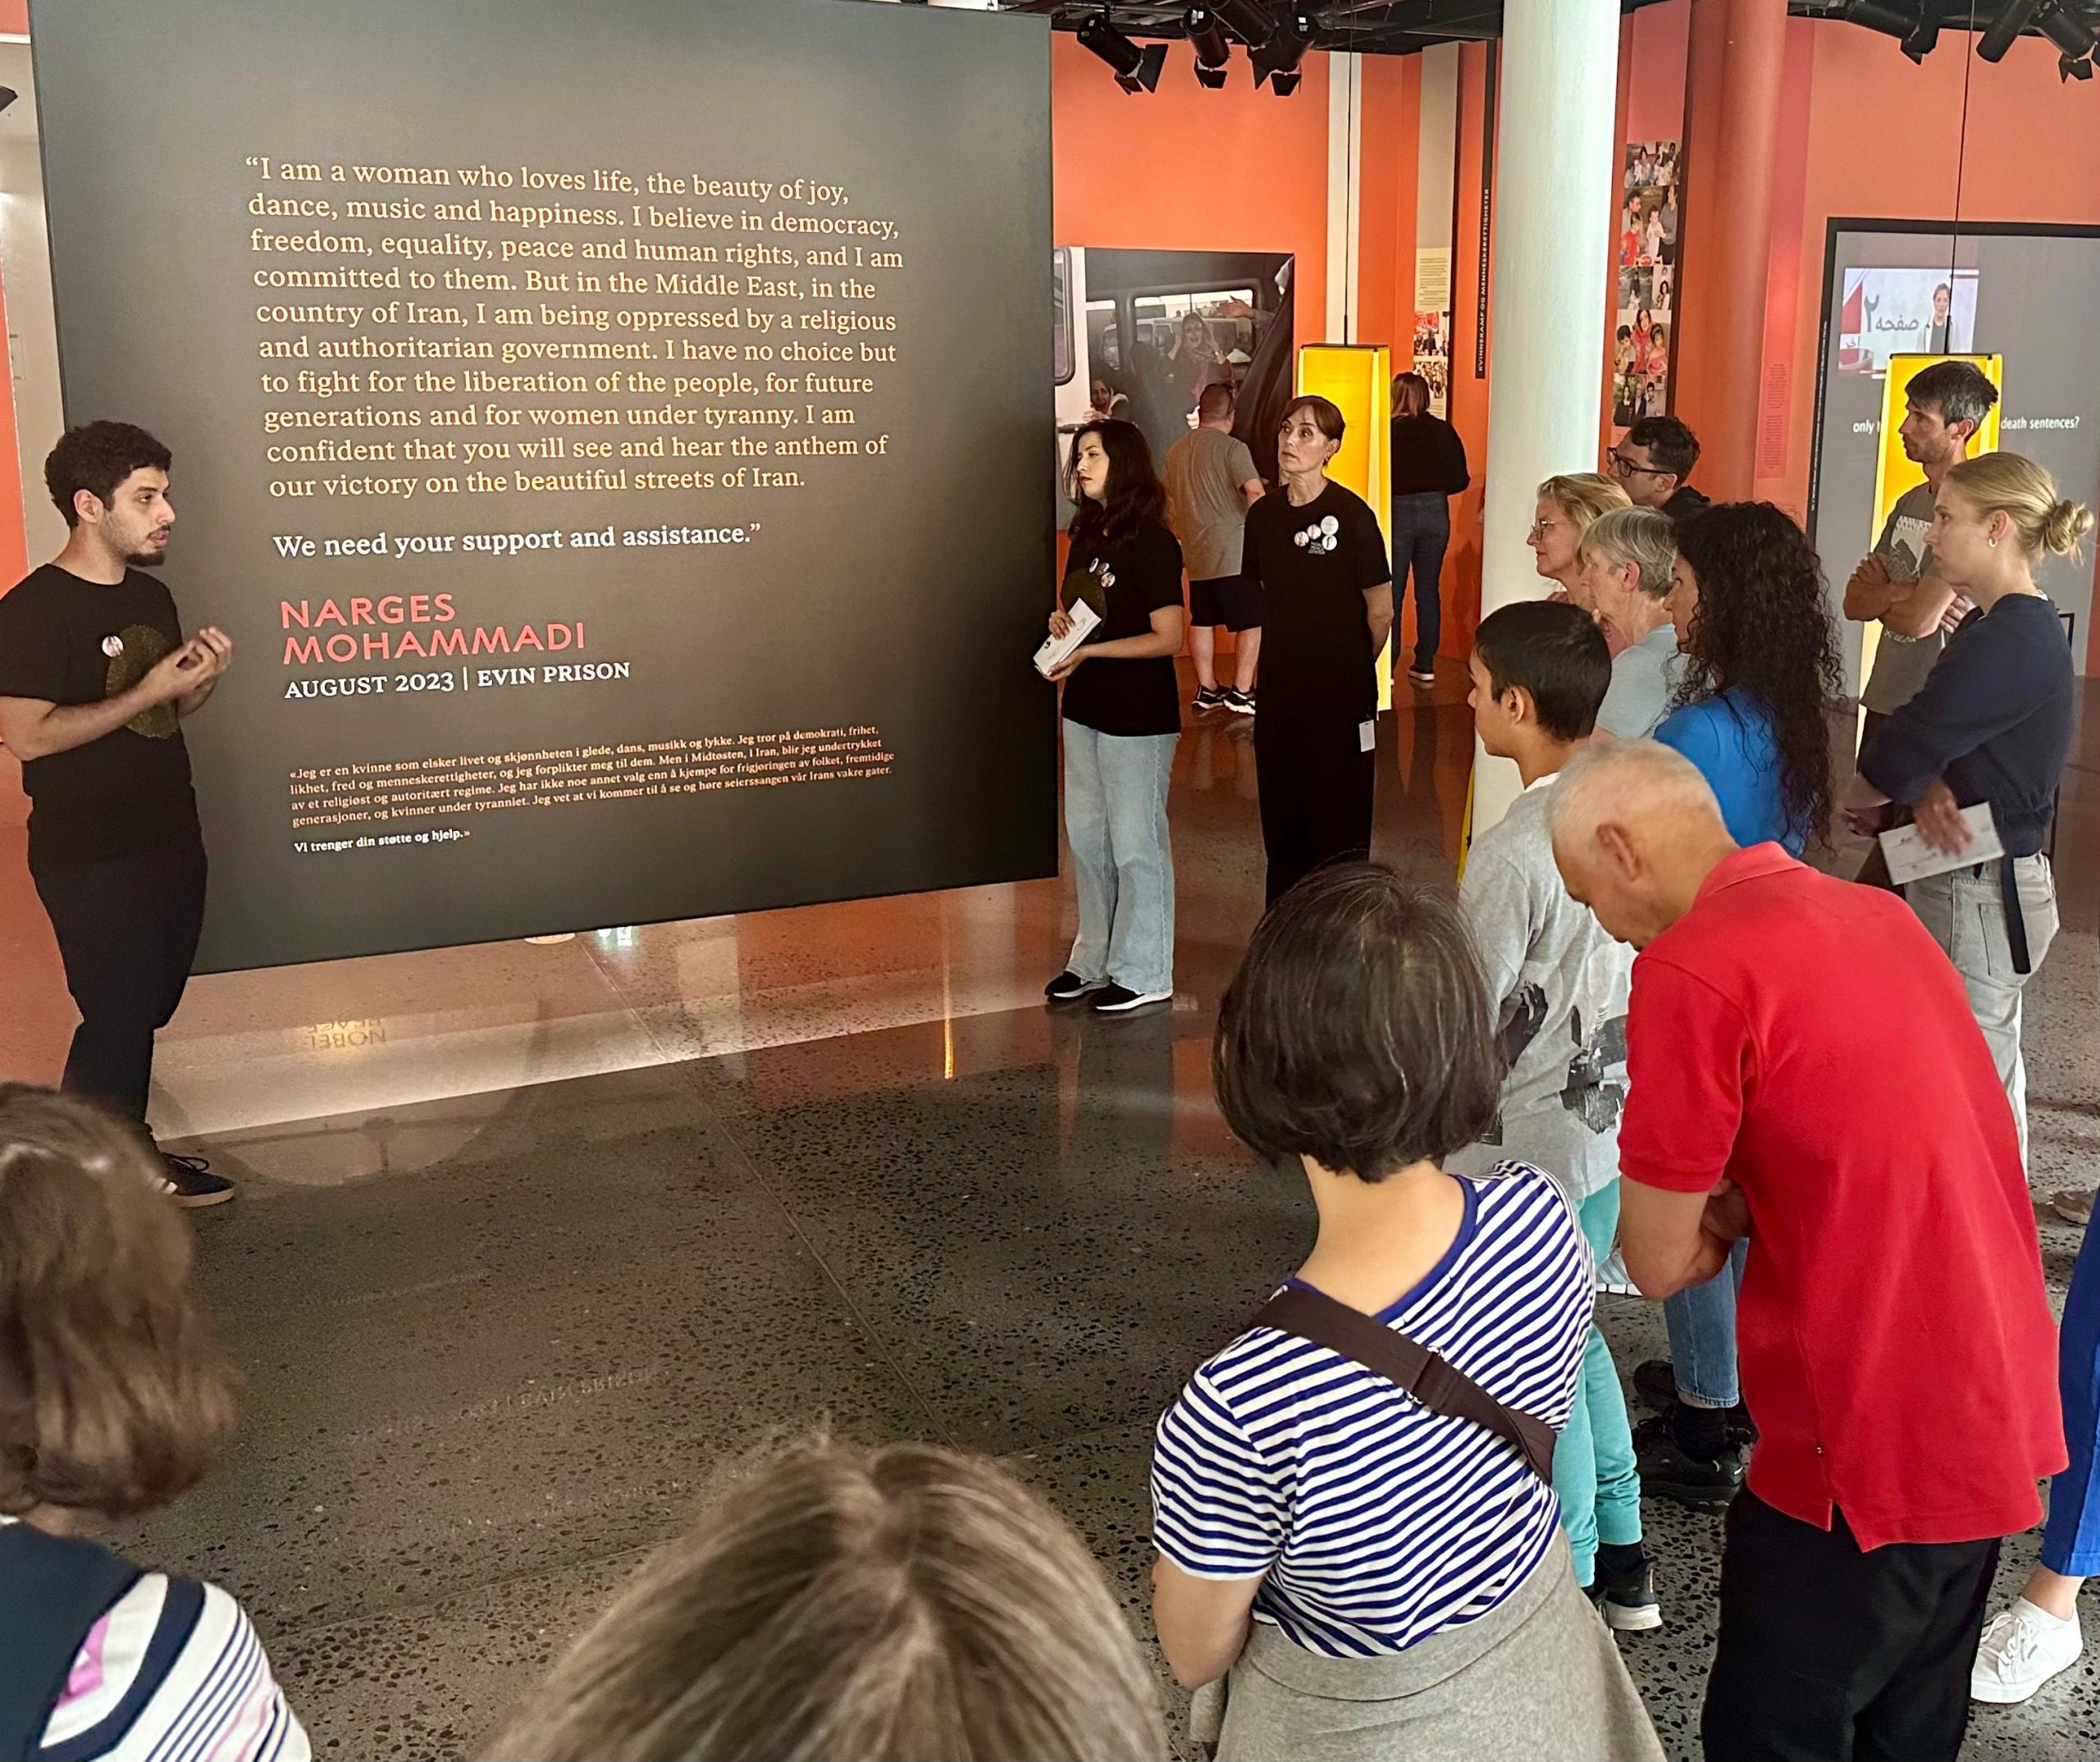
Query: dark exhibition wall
[{"x": 612, "y": 436}]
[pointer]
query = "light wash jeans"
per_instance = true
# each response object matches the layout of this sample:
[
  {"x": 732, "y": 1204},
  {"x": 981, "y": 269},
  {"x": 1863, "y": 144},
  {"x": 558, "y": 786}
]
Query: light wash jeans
[
  {"x": 1594, "y": 1474},
  {"x": 1702, "y": 1327},
  {"x": 1116, "y": 822},
  {"x": 1964, "y": 911}
]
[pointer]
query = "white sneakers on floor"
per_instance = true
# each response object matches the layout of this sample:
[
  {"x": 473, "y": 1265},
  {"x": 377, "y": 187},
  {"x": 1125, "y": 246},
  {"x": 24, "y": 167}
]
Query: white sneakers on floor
[{"x": 2022, "y": 1648}]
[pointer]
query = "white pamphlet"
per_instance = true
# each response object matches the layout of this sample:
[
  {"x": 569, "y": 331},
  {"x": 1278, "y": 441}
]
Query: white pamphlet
[
  {"x": 1910, "y": 859},
  {"x": 1057, "y": 651}
]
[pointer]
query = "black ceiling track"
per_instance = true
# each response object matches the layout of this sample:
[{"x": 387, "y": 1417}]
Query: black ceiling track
[{"x": 1407, "y": 27}]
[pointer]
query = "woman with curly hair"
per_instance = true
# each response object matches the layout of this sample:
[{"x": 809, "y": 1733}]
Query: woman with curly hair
[
  {"x": 1759, "y": 674},
  {"x": 1760, "y": 671}
]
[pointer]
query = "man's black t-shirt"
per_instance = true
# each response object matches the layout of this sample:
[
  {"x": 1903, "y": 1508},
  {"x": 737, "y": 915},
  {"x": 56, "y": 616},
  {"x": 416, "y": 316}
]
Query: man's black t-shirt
[
  {"x": 1127, "y": 580},
  {"x": 66, "y": 641},
  {"x": 1315, "y": 563}
]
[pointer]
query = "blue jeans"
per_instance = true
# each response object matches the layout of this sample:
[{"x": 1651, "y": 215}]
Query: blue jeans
[
  {"x": 2071, "y": 1545},
  {"x": 1702, "y": 1325},
  {"x": 1594, "y": 1474},
  {"x": 1422, "y": 533},
  {"x": 1116, "y": 822}
]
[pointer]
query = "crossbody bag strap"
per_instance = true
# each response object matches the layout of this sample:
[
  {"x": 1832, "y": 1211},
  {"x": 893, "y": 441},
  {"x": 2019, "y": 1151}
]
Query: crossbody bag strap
[{"x": 1434, "y": 1382}]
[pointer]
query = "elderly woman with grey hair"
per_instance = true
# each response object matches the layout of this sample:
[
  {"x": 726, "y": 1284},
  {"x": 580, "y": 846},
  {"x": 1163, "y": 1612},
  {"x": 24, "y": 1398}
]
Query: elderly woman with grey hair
[{"x": 1625, "y": 560}]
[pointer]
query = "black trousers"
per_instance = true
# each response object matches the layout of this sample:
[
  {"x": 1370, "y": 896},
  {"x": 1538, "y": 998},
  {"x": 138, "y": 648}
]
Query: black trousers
[
  {"x": 1831, "y": 1654},
  {"x": 1316, "y": 784},
  {"x": 127, "y": 929}
]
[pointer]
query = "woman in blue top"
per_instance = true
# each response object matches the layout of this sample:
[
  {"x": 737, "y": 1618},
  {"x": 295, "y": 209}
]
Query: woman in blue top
[
  {"x": 1761, "y": 672},
  {"x": 1752, "y": 711}
]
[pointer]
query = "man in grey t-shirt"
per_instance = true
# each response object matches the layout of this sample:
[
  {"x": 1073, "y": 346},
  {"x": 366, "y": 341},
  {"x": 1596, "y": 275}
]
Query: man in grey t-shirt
[
  {"x": 1896, "y": 585},
  {"x": 1211, "y": 483}
]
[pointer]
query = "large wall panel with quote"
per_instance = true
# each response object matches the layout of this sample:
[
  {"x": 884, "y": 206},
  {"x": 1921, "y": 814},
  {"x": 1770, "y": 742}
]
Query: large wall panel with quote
[{"x": 611, "y": 435}]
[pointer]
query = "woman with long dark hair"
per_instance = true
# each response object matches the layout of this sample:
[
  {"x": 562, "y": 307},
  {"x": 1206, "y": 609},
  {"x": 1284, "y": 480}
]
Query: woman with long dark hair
[
  {"x": 1122, "y": 711},
  {"x": 1760, "y": 674}
]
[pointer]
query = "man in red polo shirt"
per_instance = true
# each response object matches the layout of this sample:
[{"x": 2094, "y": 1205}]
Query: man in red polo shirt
[{"x": 1898, "y": 1352}]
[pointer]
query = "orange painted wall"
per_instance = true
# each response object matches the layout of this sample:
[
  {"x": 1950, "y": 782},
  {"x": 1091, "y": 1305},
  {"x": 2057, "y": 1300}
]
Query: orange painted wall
[
  {"x": 1883, "y": 138},
  {"x": 1182, "y": 169},
  {"x": 1461, "y": 584},
  {"x": 1385, "y": 229}
]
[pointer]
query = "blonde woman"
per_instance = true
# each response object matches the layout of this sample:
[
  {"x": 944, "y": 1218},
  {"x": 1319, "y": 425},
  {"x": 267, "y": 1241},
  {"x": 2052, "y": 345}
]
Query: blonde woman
[
  {"x": 1992, "y": 724},
  {"x": 880, "y": 1604},
  {"x": 1627, "y": 558},
  {"x": 1568, "y": 506}
]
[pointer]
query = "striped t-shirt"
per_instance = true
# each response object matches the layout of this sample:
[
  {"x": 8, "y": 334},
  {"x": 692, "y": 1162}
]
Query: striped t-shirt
[
  {"x": 173, "y": 1672},
  {"x": 1372, "y": 1522}
]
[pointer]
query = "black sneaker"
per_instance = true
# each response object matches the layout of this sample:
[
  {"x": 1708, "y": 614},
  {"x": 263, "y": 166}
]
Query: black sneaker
[
  {"x": 189, "y": 1181},
  {"x": 1422, "y": 675},
  {"x": 1626, "y": 1601},
  {"x": 1068, "y": 988},
  {"x": 1120, "y": 1000},
  {"x": 1655, "y": 1382},
  {"x": 1208, "y": 697},
  {"x": 1239, "y": 703},
  {"x": 1668, "y": 1472}
]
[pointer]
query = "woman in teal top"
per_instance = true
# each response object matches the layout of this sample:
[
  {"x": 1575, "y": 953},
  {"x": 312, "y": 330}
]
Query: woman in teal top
[{"x": 1751, "y": 709}]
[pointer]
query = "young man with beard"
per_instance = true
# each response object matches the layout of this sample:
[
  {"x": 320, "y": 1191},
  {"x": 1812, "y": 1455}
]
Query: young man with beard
[{"x": 95, "y": 677}]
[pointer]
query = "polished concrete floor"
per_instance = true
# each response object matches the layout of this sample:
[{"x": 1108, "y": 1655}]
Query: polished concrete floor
[{"x": 534, "y": 1240}]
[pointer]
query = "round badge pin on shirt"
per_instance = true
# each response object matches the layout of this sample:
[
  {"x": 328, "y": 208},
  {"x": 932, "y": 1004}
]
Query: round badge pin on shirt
[{"x": 112, "y": 646}]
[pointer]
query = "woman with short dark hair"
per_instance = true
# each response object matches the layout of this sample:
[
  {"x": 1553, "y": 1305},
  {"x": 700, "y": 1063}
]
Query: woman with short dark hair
[
  {"x": 1327, "y": 608},
  {"x": 1380, "y": 1574},
  {"x": 1122, "y": 710}
]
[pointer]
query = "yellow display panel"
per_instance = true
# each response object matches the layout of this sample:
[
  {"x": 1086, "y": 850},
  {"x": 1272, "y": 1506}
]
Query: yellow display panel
[
  {"x": 1895, "y": 475},
  {"x": 1357, "y": 380}
]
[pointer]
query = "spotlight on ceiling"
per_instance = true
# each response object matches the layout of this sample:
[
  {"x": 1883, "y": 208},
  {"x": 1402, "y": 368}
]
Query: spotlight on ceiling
[
  {"x": 1136, "y": 69},
  {"x": 1213, "y": 47},
  {"x": 1277, "y": 60},
  {"x": 1890, "y": 21},
  {"x": 2073, "y": 37},
  {"x": 2004, "y": 31},
  {"x": 1246, "y": 21}
]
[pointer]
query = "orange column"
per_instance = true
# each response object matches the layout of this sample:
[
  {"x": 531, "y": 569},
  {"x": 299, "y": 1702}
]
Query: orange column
[{"x": 1737, "y": 63}]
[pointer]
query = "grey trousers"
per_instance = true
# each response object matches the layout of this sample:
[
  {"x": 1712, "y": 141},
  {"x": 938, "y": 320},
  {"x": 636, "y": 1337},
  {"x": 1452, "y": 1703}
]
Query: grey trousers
[
  {"x": 1964, "y": 911},
  {"x": 1539, "y": 1677}
]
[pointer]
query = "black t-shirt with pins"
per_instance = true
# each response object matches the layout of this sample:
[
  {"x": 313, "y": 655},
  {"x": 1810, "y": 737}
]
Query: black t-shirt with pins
[
  {"x": 1315, "y": 564},
  {"x": 1125, "y": 579},
  {"x": 66, "y": 641}
]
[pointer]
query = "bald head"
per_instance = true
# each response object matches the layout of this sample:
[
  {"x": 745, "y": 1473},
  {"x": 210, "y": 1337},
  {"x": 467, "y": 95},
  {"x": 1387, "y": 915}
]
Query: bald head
[{"x": 1636, "y": 832}]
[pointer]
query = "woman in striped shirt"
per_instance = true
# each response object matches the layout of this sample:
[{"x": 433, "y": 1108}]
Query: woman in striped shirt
[
  {"x": 113, "y": 1402},
  {"x": 1378, "y": 1578}
]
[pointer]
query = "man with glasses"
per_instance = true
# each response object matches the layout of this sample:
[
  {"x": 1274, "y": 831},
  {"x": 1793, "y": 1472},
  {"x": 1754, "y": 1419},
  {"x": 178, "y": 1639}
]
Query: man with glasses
[{"x": 1653, "y": 462}]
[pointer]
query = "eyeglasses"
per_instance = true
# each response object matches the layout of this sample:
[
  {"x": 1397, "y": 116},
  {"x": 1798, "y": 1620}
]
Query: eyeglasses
[
  {"x": 1540, "y": 528},
  {"x": 1623, "y": 467}
]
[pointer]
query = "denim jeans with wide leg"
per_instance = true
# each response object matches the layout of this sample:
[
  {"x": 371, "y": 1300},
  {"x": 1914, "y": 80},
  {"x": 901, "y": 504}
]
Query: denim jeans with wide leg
[
  {"x": 1702, "y": 1327},
  {"x": 1116, "y": 823},
  {"x": 1596, "y": 1477},
  {"x": 1964, "y": 911}
]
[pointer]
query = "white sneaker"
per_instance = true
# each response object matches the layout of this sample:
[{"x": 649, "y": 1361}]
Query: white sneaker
[{"x": 2021, "y": 1649}]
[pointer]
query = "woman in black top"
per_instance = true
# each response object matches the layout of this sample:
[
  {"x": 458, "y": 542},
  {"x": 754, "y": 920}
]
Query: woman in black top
[
  {"x": 1327, "y": 609},
  {"x": 1122, "y": 718},
  {"x": 1992, "y": 724},
  {"x": 1429, "y": 468}
]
